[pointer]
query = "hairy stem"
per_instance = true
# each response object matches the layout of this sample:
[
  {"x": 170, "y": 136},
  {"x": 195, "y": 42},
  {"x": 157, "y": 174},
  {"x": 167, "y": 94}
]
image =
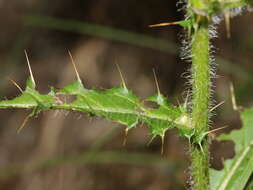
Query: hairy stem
[{"x": 200, "y": 109}]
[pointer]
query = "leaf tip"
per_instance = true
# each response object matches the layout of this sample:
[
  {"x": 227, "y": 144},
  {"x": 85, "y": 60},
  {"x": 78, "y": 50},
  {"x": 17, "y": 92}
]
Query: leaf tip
[
  {"x": 216, "y": 106},
  {"x": 227, "y": 24},
  {"x": 30, "y": 70},
  {"x": 121, "y": 76},
  {"x": 125, "y": 137},
  {"x": 162, "y": 145},
  {"x": 162, "y": 24},
  {"x": 156, "y": 82},
  {"x": 16, "y": 84},
  {"x": 23, "y": 123},
  {"x": 151, "y": 140},
  {"x": 74, "y": 65}
]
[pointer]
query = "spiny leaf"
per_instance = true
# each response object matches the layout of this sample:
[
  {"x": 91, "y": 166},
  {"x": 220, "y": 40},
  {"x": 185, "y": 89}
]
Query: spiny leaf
[
  {"x": 159, "y": 117},
  {"x": 184, "y": 23},
  {"x": 237, "y": 171},
  {"x": 30, "y": 98},
  {"x": 116, "y": 104}
]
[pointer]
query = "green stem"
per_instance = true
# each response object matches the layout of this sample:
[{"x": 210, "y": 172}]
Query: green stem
[{"x": 200, "y": 109}]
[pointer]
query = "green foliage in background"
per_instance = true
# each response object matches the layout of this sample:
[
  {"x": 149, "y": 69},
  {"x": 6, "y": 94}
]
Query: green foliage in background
[{"x": 238, "y": 170}]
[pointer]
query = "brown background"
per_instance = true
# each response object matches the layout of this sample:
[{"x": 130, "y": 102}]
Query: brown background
[{"x": 54, "y": 151}]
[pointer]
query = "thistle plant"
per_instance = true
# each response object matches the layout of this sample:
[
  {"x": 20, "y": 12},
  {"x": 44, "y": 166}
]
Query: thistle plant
[{"x": 121, "y": 105}]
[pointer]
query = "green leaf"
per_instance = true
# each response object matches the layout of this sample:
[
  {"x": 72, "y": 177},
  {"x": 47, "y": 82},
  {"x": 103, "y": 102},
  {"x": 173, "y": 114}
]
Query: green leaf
[
  {"x": 237, "y": 171},
  {"x": 31, "y": 98},
  {"x": 116, "y": 104},
  {"x": 158, "y": 121},
  {"x": 185, "y": 23},
  {"x": 22, "y": 101},
  {"x": 121, "y": 105}
]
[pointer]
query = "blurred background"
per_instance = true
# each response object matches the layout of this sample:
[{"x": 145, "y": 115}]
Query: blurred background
[{"x": 62, "y": 150}]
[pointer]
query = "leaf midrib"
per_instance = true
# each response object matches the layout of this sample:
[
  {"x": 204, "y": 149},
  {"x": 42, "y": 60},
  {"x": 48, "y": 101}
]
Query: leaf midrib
[{"x": 235, "y": 166}]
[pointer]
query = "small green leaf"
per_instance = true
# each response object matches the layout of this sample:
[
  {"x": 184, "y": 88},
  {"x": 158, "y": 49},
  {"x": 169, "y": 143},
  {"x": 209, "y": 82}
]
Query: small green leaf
[
  {"x": 22, "y": 101},
  {"x": 30, "y": 98},
  {"x": 73, "y": 88},
  {"x": 30, "y": 83},
  {"x": 157, "y": 119},
  {"x": 185, "y": 23}
]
